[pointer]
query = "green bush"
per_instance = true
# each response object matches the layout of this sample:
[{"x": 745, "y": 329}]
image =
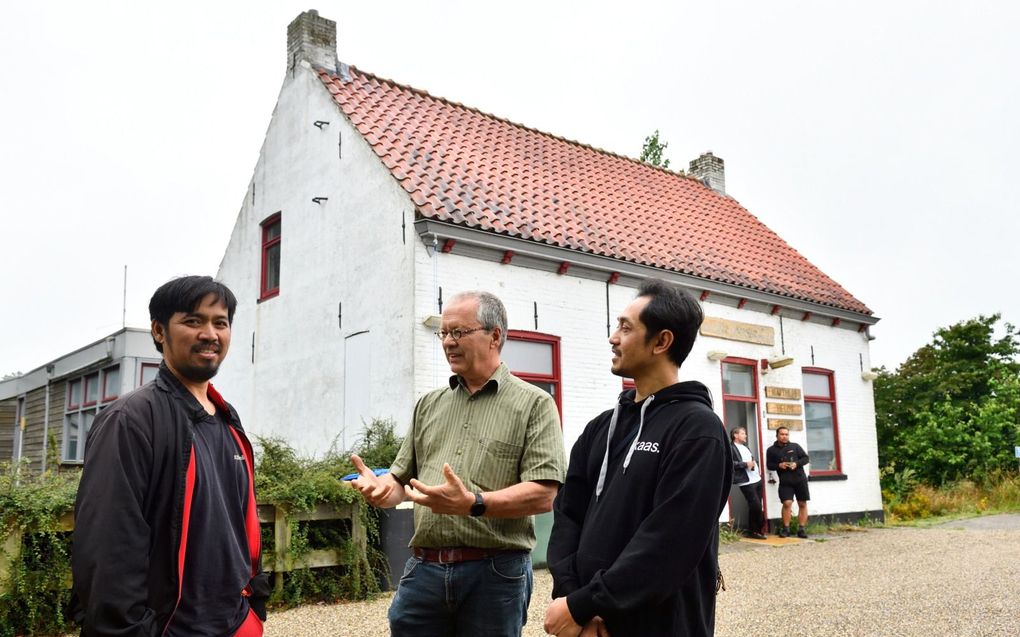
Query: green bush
[
  {"x": 284, "y": 478},
  {"x": 34, "y": 591}
]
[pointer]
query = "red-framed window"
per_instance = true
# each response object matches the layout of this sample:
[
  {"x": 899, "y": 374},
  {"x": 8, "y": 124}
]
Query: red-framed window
[
  {"x": 535, "y": 357},
  {"x": 147, "y": 374},
  {"x": 111, "y": 383},
  {"x": 270, "y": 277},
  {"x": 91, "y": 390},
  {"x": 740, "y": 395},
  {"x": 74, "y": 393},
  {"x": 821, "y": 421}
]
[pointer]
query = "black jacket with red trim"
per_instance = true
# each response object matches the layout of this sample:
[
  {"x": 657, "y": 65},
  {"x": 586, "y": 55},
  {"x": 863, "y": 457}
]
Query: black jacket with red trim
[{"x": 130, "y": 508}]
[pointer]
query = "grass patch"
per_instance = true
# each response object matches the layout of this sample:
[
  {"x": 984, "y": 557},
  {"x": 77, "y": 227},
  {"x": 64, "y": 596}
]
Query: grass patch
[{"x": 923, "y": 505}]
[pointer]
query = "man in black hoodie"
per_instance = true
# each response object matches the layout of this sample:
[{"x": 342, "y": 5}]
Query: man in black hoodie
[{"x": 634, "y": 545}]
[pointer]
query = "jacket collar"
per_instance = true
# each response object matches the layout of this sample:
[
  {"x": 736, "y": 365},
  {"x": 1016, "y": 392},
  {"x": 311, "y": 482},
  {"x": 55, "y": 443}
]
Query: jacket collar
[{"x": 166, "y": 381}]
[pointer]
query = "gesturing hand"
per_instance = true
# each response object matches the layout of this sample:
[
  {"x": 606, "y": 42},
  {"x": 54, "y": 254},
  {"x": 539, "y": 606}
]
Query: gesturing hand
[
  {"x": 377, "y": 492},
  {"x": 451, "y": 497}
]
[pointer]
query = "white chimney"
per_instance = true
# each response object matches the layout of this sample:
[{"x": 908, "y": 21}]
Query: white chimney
[
  {"x": 312, "y": 38},
  {"x": 711, "y": 170}
]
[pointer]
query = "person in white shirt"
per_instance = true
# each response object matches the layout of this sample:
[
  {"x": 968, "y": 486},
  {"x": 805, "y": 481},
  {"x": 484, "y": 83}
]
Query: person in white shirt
[{"x": 748, "y": 478}]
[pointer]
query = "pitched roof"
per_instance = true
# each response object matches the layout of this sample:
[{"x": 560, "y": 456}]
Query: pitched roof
[{"x": 466, "y": 167}]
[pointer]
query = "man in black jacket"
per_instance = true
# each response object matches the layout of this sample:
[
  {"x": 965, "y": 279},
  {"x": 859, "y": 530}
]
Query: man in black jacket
[
  {"x": 634, "y": 545},
  {"x": 788, "y": 459},
  {"x": 166, "y": 538}
]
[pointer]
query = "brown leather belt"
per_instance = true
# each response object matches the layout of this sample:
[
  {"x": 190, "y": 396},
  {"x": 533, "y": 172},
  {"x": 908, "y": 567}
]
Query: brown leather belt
[{"x": 457, "y": 554}]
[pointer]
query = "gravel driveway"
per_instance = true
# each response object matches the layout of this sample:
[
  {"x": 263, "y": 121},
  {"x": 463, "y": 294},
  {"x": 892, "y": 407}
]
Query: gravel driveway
[{"x": 961, "y": 579}]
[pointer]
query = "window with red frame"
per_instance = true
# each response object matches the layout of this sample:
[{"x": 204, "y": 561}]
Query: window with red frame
[
  {"x": 271, "y": 235},
  {"x": 148, "y": 374},
  {"x": 740, "y": 398},
  {"x": 535, "y": 357},
  {"x": 91, "y": 389},
  {"x": 111, "y": 382},
  {"x": 821, "y": 422}
]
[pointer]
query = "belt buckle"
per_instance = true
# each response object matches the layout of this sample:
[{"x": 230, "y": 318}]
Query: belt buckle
[{"x": 449, "y": 556}]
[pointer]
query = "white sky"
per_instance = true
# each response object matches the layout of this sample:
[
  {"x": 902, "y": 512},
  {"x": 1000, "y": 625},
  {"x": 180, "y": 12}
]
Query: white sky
[{"x": 880, "y": 139}]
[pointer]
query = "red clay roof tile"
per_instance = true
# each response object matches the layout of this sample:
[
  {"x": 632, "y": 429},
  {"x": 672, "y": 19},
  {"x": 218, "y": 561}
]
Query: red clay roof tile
[{"x": 463, "y": 166}]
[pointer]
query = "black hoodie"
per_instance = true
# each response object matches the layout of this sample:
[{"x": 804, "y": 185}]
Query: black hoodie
[{"x": 641, "y": 551}]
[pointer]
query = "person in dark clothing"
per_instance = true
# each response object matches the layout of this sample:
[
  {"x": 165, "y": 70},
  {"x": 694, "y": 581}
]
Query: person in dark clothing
[
  {"x": 747, "y": 476},
  {"x": 634, "y": 544},
  {"x": 166, "y": 538},
  {"x": 788, "y": 459}
]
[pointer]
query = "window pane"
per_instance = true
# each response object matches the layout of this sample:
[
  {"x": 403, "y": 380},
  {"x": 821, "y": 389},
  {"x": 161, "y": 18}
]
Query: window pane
[
  {"x": 821, "y": 441},
  {"x": 71, "y": 440},
  {"x": 738, "y": 380},
  {"x": 528, "y": 357},
  {"x": 87, "y": 418},
  {"x": 272, "y": 231},
  {"x": 92, "y": 388},
  {"x": 548, "y": 387},
  {"x": 816, "y": 385},
  {"x": 273, "y": 267},
  {"x": 742, "y": 414},
  {"x": 149, "y": 373},
  {"x": 74, "y": 396},
  {"x": 111, "y": 382}
]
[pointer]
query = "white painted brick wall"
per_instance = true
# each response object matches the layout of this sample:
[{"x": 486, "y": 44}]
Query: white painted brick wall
[{"x": 348, "y": 249}]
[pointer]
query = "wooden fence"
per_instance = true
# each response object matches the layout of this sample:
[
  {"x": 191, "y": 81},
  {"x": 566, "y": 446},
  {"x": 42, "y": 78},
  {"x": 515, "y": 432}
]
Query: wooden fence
[{"x": 10, "y": 549}]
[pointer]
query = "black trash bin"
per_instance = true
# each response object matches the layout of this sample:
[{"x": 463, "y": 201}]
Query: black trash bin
[{"x": 396, "y": 526}]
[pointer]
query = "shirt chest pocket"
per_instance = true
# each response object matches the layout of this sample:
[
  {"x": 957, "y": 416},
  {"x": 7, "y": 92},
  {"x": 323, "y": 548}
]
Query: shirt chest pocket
[{"x": 496, "y": 464}]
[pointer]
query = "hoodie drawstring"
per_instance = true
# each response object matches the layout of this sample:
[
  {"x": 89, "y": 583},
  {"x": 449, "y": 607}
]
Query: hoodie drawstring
[
  {"x": 609, "y": 440},
  {"x": 641, "y": 425}
]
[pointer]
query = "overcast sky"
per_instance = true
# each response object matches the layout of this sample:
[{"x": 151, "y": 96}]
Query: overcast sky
[{"x": 880, "y": 139}]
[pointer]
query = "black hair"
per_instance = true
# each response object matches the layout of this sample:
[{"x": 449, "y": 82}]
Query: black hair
[
  {"x": 733, "y": 432},
  {"x": 184, "y": 294},
  {"x": 671, "y": 308}
]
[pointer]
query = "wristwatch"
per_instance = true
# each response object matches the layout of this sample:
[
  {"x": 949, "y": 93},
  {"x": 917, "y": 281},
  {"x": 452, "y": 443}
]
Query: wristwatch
[{"x": 478, "y": 508}]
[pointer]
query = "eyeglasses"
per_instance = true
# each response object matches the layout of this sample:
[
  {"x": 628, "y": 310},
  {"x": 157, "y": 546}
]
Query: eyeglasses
[{"x": 456, "y": 334}]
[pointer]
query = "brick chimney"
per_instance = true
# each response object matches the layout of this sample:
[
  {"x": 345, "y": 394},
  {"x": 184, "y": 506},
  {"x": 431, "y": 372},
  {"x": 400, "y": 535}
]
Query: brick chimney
[
  {"x": 711, "y": 170},
  {"x": 312, "y": 38}
]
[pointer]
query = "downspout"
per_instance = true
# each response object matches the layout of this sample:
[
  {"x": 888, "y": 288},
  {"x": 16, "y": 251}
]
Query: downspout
[
  {"x": 435, "y": 299},
  {"x": 46, "y": 418}
]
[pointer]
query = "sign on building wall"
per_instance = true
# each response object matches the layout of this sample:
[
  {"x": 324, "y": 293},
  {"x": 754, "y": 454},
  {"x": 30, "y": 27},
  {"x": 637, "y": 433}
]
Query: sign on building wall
[
  {"x": 737, "y": 331},
  {"x": 784, "y": 409},
  {"x": 786, "y": 393},
  {"x": 789, "y": 423}
]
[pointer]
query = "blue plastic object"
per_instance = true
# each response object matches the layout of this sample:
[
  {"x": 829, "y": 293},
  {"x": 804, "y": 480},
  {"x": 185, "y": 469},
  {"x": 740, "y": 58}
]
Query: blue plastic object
[{"x": 378, "y": 472}]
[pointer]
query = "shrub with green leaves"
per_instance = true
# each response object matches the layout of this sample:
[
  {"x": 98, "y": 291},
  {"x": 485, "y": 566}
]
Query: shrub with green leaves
[{"x": 34, "y": 589}]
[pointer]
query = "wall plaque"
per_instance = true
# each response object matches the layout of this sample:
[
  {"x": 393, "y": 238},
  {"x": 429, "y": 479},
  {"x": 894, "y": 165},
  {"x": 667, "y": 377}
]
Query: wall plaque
[
  {"x": 785, "y": 409},
  {"x": 787, "y": 393},
  {"x": 737, "y": 331},
  {"x": 789, "y": 423}
]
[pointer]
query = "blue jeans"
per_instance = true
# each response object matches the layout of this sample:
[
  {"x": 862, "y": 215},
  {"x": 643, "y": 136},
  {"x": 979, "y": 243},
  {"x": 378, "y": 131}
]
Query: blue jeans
[{"x": 481, "y": 597}]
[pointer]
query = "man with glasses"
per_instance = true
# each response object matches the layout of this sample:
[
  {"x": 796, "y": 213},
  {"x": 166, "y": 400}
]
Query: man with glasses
[{"x": 482, "y": 456}]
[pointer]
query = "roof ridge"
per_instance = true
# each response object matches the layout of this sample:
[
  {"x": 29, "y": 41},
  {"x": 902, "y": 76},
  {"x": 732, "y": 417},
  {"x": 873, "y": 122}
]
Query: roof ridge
[{"x": 505, "y": 120}]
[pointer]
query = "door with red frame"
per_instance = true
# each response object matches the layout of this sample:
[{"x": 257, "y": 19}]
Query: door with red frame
[{"x": 741, "y": 408}]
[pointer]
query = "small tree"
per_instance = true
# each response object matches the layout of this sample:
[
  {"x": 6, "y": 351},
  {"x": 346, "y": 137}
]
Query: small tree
[
  {"x": 652, "y": 151},
  {"x": 950, "y": 411}
]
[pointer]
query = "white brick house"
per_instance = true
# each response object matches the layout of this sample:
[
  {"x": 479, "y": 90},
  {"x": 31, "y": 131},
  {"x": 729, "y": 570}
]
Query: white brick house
[{"x": 372, "y": 202}]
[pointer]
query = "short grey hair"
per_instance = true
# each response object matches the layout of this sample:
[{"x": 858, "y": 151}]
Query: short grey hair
[{"x": 491, "y": 313}]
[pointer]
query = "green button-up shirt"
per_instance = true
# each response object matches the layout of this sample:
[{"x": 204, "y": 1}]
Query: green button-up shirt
[{"x": 505, "y": 433}]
